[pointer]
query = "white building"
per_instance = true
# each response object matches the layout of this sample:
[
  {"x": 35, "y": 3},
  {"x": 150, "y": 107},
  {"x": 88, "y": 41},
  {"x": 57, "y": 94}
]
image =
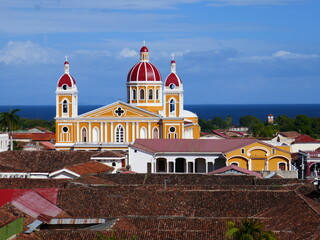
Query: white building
[{"x": 4, "y": 142}]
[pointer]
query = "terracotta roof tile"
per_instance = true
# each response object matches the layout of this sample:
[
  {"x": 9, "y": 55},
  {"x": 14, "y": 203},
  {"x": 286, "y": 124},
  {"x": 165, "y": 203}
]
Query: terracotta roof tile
[{"x": 89, "y": 168}]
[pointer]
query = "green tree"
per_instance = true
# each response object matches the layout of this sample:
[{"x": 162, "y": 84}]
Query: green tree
[
  {"x": 248, "y": 229},
  {"x": 9, "y": 121},
  {"x": 249, "y": 121}
]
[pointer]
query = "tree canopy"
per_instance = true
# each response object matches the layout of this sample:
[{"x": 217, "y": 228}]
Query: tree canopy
[{"x": 9, "y": 121}]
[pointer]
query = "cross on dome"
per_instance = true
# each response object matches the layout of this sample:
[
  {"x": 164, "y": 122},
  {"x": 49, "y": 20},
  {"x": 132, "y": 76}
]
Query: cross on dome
[{"x": 66, "y": 56}]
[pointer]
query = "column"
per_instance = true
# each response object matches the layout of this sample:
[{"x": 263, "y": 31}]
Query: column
[
  {"x": 137, "y": 130},
  {"x": 77, "y": 132},
  {"x": 127, "y": 132},
  {"x": 149, "y": 130},
  {"x": 133, "y": 131},
  {"x": 111, "y": 132},
  {"x": 101, "y": 131},
  {"x": 194, "y": 166},
  {"x": 89, "y": 132}
]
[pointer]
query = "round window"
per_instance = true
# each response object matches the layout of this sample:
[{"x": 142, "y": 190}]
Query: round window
[
  {"x": 172, "y": 129},
  {"x": 65, "y": 129},
  {"x": 64, "y": 86},
  {"x": 172, "y": 86}
]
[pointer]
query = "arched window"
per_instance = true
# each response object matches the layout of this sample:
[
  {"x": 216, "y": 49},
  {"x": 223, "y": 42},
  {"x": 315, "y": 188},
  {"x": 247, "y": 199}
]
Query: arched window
[
  {"x": 282, "y": 166},
  {"x": 134, "y": 94},
  {"x": 157, "y": 94},
  {"x": 95, "y": 135},
  {"x": 150, "y": 94},
  {"x": 65, "y": 106},
  {"x": 143, "y": 132},
  {"x": 155, "y": 133},
  {"x": 84, "y": 135},
  {"x": 172, "y": 105},
  {"x": 141, "y": 94},
  {"x": 119, "y": 133}
]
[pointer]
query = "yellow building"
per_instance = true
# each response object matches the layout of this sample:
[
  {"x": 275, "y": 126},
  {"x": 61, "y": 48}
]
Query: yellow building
[{"x": 153, "y": 110}]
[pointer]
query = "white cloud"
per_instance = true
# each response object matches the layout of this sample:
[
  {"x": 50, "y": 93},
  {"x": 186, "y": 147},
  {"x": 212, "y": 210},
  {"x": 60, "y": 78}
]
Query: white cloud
[
  {"x": 279, "y": 55},
  {"x": 26, "y": 52},
  {"x": 127, "y": 53}
]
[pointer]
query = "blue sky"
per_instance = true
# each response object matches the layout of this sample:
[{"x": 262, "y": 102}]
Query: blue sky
[{"x": 227, "y": 51}]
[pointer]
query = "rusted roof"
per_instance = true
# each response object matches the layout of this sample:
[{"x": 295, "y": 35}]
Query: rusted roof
[
  {"x": 89, "y": 168},
  {"x": 34, "y": 136}
]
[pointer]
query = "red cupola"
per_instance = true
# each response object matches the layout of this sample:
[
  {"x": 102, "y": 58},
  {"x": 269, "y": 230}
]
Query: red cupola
[
  {"x": 173, "y": 80},
  {"x": 66, "y": 79},
  {"x": 144, "y": 70}
]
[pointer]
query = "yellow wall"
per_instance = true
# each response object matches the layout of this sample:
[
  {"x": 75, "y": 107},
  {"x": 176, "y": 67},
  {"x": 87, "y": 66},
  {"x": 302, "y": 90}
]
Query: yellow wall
[
  {"x": 242, "y": 162},
  {"x": 261, "y": 157}
]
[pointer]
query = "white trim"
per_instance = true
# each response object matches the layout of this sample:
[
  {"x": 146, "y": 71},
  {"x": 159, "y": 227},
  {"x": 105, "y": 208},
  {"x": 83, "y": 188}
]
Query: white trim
[
  {"x": 63, "y": 170},
  {"x": 258, "y": 148}
]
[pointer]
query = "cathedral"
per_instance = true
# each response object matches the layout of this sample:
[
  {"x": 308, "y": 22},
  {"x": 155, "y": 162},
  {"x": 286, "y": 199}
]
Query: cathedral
[{"x": 154, "y": 109}]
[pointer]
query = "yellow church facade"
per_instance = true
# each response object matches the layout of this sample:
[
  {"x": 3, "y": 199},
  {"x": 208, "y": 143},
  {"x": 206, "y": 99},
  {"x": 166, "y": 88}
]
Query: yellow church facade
[{"x": 154, "y": 110}]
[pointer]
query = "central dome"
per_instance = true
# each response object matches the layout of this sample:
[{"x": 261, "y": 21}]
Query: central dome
[{"x": 144, "y": 70}]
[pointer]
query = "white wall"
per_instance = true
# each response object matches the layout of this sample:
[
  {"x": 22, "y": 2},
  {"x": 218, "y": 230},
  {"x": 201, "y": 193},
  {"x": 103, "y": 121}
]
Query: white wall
[
  {"x": 4, "y": 142},
  {"x": 304, "y": 147}
]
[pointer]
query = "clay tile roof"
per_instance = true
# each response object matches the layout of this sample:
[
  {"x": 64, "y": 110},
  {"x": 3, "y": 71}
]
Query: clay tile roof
[
  {"x": 109, "y": 154},
  {"x": 6, "y": 217},
  {"x": 191, "y": 145},
  {"x": 89, "y": 168},
  {"x": 305, "y": 139},
  {"x": 291, "y": 134},
  {"x": 236, "y": 168}
]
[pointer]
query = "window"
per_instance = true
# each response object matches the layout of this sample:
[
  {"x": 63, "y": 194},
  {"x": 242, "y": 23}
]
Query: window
[
  {"x": 113, "y": 164},
  {"x": 143, "y": 132},
  {"x": 84, "y": 135},
  {"x": 65, "y": 129},
  {"x": 64, "y": 86},
  {"x": 155, "y": 133},
  {"x": 172, "y": 133},
  {"x": 119, "y": 133},
  {"x": 65, "y": 106},
  {"x": 157, "y": 94},
  {"x": 282, "y": 166},
  {"x": 134, "y": 94},
  {"x": 141, "y": 94},
  {"x": 150, "y": 94},
  {"x": 172, "y": 86},
  {"x": 235, "y": 164},
  {"x": 242, "y": 150},
  {"x": 172, "y": 105},
  {"x": 95, "y": 135},
  {"x": 273, "y": 151}
]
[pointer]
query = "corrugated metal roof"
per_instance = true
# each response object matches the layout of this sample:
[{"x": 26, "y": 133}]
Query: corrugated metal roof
[
  {"x": 191, "y": 145},
  {"x": 35, "y": 205}
]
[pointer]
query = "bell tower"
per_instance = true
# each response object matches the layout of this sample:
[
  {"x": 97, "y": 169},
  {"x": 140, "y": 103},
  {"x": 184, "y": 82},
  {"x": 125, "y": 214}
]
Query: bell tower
[
  {"x": 66, "y": 95},
  {"x": 173, "y": 93}
]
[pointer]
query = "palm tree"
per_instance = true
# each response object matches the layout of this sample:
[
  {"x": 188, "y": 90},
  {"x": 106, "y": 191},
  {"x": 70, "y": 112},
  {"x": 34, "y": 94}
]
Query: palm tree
[
  {"x": 9, "y": 121},
  {"x": 248, "y": 229}
]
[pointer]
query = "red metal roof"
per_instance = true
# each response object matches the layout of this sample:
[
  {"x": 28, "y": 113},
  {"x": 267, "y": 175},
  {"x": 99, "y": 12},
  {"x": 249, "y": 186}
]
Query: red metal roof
[
  {"x": 144, "y": 49},
  {"x": 48, "y": 145},
  {"x": 66, "y": 79},
  {"x": 305, "y": 139},
  {"x": 173, "y": 78},
  {"x": 35, "y": 205},
  {"x": 144, "y": 71},
  {"x": 236, "y": 168},
  {"x": 191, "y": 145}
]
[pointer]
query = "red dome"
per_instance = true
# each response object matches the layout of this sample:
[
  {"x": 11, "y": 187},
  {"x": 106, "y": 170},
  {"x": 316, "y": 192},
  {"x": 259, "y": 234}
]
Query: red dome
[
  {"x": 66, "y": 79},
  {"x": 66, "y": 62},
  {"x": 144, "y": 49},
  {"x": 144, "y": 71},
  {"x": 173, "y": 79},
  {"x": 173, "y": 61}
]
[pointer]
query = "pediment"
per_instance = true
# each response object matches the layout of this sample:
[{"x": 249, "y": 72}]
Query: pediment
[{"x": 119, "y": 110}]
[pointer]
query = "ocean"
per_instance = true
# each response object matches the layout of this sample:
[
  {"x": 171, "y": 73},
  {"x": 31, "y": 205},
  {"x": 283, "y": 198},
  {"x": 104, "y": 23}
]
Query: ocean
[{"x": 206, "y": 112}]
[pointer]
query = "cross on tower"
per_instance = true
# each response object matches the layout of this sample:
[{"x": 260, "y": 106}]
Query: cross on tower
[{"x": 119, "y": 111}]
